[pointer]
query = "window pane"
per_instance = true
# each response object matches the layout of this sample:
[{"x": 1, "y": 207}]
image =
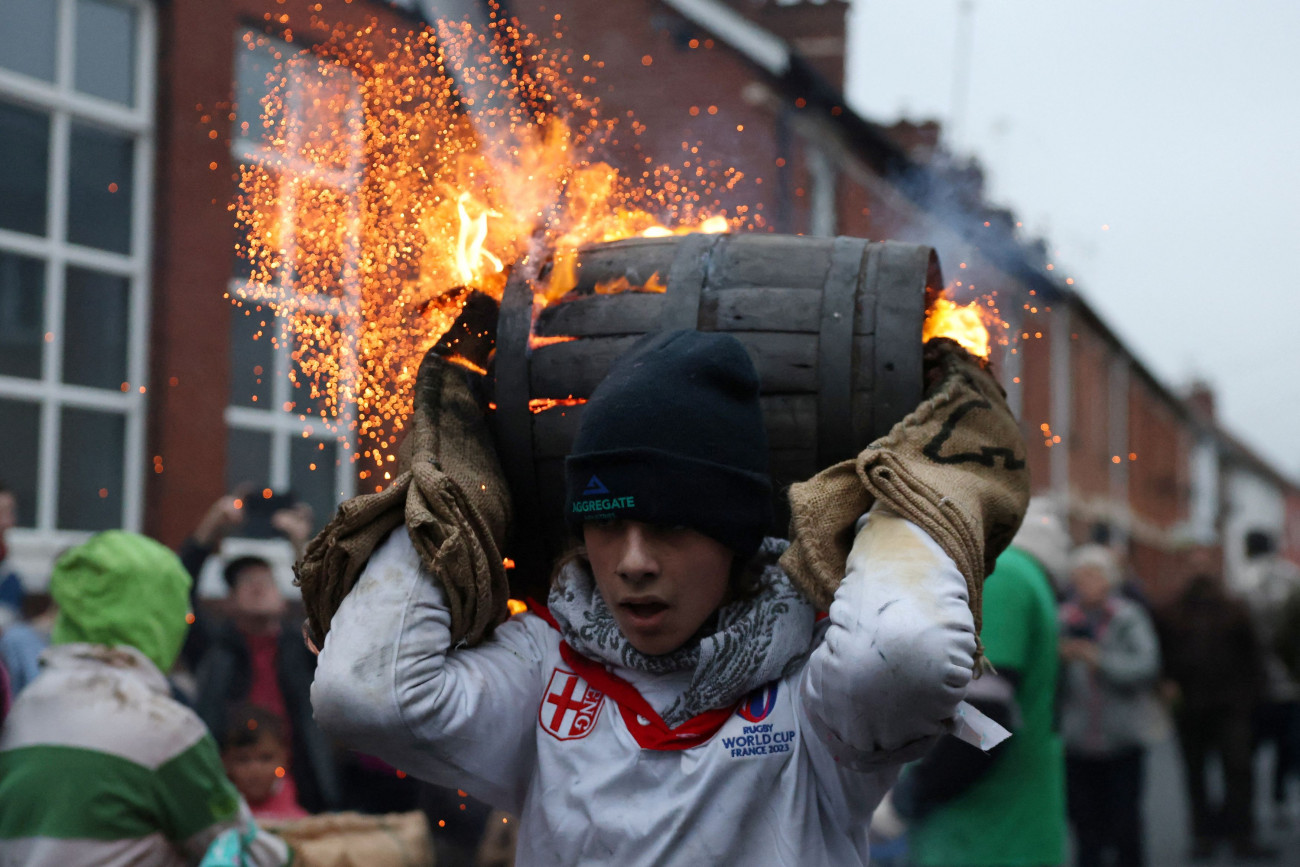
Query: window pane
[
  {"x": 22, "y": 315},
  {"x": 91, "y": 451},
  {"x": 106, "y": 50},
  {"x": 99, "y": 189},
  {"x": 257, "y": 57},
  {"x": 313, "y": 475},
  {"x": 248, "y": 458},
  {"x": 95, "y": 329},
  {"x": 252, "y": 357},
  {"x": 27, "y": 37},
  {"x": 24, "y": 168},
  {"x": 19, "y": 453}
]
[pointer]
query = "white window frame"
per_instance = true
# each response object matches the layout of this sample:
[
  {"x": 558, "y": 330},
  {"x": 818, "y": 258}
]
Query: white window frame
[
  {"x": 66, "y": 105},
  {"x": 285, "y": 426}
]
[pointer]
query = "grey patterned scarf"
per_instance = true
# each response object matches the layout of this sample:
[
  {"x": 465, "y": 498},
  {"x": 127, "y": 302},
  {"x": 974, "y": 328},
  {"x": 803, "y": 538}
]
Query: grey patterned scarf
[{"x": 755, "y": 641}]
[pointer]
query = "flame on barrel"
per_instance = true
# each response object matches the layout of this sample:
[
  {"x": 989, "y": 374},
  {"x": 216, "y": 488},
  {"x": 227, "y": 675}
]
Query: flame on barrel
[{"x": 966, "y": 324}]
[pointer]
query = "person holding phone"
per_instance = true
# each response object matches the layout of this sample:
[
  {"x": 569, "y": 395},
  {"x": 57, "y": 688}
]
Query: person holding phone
[{"x": 255, "y": 654}]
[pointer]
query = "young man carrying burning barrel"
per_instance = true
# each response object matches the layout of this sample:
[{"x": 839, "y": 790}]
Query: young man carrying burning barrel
[{"x": 679, "y": 700}]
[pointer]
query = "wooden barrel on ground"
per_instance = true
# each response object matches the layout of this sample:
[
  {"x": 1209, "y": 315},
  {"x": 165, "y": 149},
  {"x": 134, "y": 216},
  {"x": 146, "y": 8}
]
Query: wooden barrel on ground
[{"x": 833, "y": 326}]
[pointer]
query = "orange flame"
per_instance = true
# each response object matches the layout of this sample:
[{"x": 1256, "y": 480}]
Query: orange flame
[
  {"x": 622, "y": 284},
  {"x": 542, "y": 404},
  {"x": 708, "y": 226},
  {"x": 963, "y": 323},
  {"x": 538, "y": 340},
  {"x": 469, "y": 244}
]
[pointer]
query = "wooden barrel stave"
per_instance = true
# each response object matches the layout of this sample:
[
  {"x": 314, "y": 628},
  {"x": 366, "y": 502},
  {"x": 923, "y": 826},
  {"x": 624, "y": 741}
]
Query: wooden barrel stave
[{"x": 786, "y": 363}]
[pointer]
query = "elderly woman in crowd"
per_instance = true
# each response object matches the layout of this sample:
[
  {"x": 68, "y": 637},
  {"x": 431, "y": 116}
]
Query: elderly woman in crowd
[{"x": 1110, "y": 662}]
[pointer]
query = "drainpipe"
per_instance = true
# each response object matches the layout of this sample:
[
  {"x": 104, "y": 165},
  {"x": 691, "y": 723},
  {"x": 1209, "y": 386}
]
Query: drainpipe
[{"x": 1059, "y": 413}]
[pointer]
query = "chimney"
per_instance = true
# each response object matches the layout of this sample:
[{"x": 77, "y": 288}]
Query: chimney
[
  {"x": 813, "y": 28},
  {"x": 1200, "y": 397},
  {"x": 922, "y": 141}
]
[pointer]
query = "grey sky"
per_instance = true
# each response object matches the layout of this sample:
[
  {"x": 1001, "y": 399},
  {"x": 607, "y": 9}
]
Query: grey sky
[{"x": 1176, "y": 124}]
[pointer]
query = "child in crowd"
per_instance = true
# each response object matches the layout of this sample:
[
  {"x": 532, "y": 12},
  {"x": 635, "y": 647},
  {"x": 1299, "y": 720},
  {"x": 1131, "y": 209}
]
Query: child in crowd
[
  {"x": 255, "y": 756},
  {"x": 678, "y": 701}
]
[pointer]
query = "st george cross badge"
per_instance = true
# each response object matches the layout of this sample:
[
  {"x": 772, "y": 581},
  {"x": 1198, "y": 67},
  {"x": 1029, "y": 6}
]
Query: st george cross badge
[{"x": 570, "y": 708}]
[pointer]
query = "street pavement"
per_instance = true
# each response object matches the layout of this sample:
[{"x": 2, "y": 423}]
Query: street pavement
[{"x": 1168, "y": 831}]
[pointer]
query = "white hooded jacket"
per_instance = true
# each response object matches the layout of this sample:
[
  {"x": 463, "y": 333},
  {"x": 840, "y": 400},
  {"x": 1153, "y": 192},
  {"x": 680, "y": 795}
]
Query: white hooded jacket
[{"x": 790, "y": 776}]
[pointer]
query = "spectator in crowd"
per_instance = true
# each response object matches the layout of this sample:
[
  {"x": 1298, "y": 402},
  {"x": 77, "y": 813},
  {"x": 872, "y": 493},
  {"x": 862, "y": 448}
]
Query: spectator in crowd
[
  {"x": 1266, "y": 582},
  {"x": 22, "y": 644},
  {"x": 1213, "y": 659},
  {"x": 11, "y": 585},
  {"x": 98, "y": 764},
  {"x": 967, "y": 808},
  {"x": 1111, "y": 659},
  {"x": 254, "y": 755},
  {"x": 257, "y": 655}
]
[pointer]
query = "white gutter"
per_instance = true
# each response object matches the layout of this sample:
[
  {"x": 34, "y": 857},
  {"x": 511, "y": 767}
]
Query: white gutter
[{"x": 768, "y": 51}]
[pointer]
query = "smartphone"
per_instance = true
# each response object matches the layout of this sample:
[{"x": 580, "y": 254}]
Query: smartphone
[{"x": 258, "y": 511}]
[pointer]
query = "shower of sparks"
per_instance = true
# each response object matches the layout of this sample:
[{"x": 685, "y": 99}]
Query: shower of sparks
[{"x": 397, "y": 167}]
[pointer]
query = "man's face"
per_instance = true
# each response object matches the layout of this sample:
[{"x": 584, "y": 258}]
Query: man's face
[
  {"x": 8, "y": 511},
  {"x": 256, "y": 595},
  {"x": 660, "y": 583},
  {"x": 255, "y": 768}
]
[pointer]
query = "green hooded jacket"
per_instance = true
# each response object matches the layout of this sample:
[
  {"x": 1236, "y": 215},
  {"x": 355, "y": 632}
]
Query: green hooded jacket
[{"x": 122, "y": 588}]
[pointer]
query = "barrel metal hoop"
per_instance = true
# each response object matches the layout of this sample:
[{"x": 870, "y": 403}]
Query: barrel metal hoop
[
  {"x": 686, "y": 279},
  {"x": 513, "y": 419},
  {"x": 902, "y": 272},
  {"x": 835, "y": 352}
]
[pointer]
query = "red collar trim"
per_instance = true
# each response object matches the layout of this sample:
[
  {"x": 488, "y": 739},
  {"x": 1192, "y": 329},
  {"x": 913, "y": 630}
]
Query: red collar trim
[{"x": 646, "y": 726}]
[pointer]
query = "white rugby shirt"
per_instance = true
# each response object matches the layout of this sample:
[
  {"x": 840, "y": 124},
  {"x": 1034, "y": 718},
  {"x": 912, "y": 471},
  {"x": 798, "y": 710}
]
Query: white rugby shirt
[{"x": 790, "y": 776}]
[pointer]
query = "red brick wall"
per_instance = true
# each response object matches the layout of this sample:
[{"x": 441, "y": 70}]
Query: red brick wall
[
  {"x": 1159, "y": 477},
  {"x": 815, "y": 30},
  {"x": 192, "y": 248},
  {"x": 1089, "y": 435},
  {"x": 1036, "y": 401},
  {"x": 669, "y": 75}
]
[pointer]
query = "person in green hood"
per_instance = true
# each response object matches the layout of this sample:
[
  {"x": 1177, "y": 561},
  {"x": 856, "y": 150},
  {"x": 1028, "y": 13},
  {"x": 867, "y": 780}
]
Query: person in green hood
[
  {"x": 119, "y": 589},
  {"x": 98, "y": 763}
]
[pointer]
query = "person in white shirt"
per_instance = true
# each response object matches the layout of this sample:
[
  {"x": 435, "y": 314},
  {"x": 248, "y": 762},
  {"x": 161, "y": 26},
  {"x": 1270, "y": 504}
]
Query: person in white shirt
[{"x": 678, "y": 701}]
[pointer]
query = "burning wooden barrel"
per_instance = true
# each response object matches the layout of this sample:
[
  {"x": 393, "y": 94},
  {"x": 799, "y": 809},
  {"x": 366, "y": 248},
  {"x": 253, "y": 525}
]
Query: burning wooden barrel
[{"x": 833, "y": 326}]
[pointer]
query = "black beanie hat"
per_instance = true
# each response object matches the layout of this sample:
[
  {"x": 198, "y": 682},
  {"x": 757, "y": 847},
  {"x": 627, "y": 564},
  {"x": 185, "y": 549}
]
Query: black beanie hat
[{"x": 674, "y": 436}]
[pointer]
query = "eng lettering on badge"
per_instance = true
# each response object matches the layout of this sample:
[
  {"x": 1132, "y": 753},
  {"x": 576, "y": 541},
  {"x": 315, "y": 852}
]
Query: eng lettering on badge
[{"x": 570, "y": 707}]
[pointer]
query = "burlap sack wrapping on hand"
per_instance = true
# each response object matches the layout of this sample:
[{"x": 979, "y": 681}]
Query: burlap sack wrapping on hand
[
  {"x": 453, "y": 499},
  {"x": 955, "y": 467}
]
